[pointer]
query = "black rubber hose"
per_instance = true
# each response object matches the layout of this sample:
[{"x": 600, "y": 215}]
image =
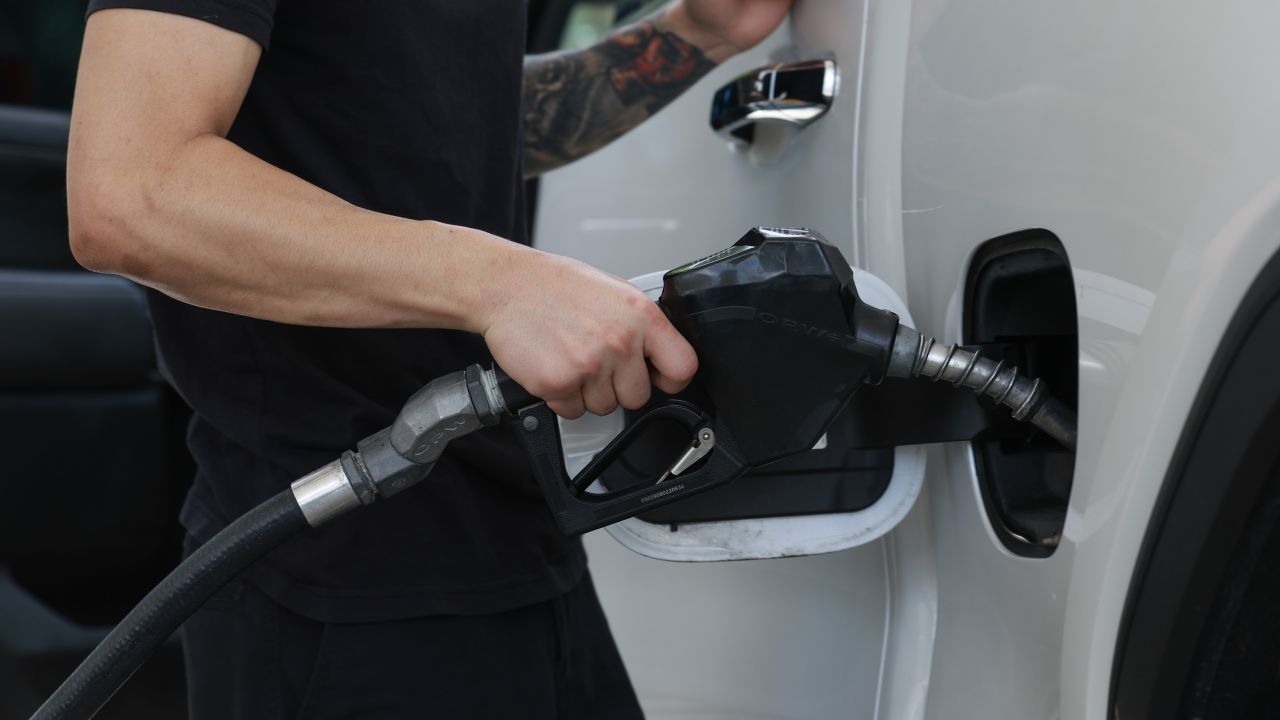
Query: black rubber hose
[{"x": 169, "y": 604}]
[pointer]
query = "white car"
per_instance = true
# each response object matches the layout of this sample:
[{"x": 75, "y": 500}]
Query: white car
[{"x": 1092, "y": 189}]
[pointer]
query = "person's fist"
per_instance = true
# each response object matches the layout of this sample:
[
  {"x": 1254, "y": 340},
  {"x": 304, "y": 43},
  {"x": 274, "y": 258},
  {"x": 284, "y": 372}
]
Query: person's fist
[{"x": 579, "y": 338}]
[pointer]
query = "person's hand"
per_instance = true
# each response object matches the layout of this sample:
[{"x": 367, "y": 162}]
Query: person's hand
[
  {"x": 722, "y": 28},
  {"x": 578, "y": 337}
]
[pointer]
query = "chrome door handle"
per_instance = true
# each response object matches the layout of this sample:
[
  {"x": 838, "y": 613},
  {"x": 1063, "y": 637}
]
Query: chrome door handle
[{"x": 791, "y": 94}]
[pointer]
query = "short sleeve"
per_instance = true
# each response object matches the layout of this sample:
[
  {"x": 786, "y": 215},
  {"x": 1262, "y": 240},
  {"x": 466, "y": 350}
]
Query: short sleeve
[{"x": 251, "y": 18}]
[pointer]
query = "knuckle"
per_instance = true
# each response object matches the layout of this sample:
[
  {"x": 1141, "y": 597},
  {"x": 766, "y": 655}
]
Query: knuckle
[
  {"x": 675, "y": 380},
  {"x": 688, "y": 371},
  {"x": 637, "y": 399},
  {"x": 652, "y": 313},
  {"x": 577, "y": 362},
  {"x": 589, "y": 362},
  {"x": 688, "y": 366},
  {"x": 559, "y": 385},
  {"x": 669, "y": 386},
  {"x": 619, "y": 340},
  {"x": 601, "y": 407},
  {"x": 636, "y": 299},
  {"x": 566, "y": 411}
]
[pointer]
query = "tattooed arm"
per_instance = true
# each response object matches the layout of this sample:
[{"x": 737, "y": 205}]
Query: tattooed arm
[{"x": 576, "y": 102}]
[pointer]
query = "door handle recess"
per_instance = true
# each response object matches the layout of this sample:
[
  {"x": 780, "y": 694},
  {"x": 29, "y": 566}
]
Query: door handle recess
[{"x": 790, "y": 94}]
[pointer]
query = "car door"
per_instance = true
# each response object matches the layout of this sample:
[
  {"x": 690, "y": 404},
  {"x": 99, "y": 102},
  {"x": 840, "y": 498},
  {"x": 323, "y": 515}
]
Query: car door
[{"x": 721, "y": 640}]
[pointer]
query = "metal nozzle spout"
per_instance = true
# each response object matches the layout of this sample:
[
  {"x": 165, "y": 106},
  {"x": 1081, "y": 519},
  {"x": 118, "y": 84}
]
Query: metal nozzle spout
[{"x": 917, "y": 355}]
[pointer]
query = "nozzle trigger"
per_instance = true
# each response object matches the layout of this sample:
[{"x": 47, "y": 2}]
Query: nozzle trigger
[{"x": 703, "y": 441}]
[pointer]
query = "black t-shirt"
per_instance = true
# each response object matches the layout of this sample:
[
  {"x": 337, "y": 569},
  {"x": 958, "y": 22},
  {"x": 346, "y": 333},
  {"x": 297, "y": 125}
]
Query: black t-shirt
[{"x": 408, "y": 108}]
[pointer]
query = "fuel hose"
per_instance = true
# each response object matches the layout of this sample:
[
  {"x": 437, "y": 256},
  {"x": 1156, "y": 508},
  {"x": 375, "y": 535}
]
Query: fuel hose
[
  {"x": 384, "y": 464},
  {"x": 170, "y": 603}
]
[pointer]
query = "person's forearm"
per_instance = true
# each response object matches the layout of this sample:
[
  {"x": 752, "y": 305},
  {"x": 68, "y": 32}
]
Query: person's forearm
[
  {"x": 215, "y": 226},
  {"x": 576, "y": 102},
  {"x": 156, "y": 193}
]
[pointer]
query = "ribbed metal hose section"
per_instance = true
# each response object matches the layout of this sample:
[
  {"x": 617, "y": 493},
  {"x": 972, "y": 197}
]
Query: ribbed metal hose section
[
  {"x": 916, "y": 355},
  {"x": 169, "y": 604}
]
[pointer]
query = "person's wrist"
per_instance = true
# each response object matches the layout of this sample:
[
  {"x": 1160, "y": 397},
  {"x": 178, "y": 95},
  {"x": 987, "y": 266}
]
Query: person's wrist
[
  {"x": 677, "y": 19},
  {"x": 483, "y": 275},
  {"x": 504, "y": 272}
]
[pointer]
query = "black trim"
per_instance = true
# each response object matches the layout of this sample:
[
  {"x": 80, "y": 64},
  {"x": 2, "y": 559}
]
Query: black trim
[
  {"x": 1020, "y": 307},
  {"x": 1221, "y": 470}
]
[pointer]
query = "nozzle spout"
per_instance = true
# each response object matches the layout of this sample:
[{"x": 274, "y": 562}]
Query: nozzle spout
[{"x": 917, "y": 355}]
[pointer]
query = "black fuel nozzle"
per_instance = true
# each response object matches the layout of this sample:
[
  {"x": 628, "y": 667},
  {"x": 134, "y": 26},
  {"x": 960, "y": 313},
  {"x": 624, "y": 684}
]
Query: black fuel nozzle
[
  {"x": 783, "y": 343},
  {"x": 783, "y": 340}
]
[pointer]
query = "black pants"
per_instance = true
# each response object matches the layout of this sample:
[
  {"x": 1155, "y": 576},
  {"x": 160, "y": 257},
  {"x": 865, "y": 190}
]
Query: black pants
[{"x": 250, "y": 659}]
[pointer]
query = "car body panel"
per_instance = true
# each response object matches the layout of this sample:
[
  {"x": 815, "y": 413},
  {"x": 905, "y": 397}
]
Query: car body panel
[
  {"x": 674, "y": 191},
  {"x": 1142, "y": 136}
]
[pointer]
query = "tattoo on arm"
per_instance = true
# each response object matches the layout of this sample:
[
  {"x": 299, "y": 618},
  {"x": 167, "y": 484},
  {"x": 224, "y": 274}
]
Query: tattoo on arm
[{"x": 578, "y": 101}]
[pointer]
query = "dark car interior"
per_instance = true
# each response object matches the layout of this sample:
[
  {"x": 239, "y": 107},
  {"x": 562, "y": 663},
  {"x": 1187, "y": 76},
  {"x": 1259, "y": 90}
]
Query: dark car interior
[{"x": 93, "y": 434}]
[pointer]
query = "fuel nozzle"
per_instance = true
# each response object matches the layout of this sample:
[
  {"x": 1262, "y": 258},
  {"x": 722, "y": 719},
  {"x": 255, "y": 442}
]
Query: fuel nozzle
[
  {"x": 782, "y": 338},
  {"x": 784, "y": 341}
]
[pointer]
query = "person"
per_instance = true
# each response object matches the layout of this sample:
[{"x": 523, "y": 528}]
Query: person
[{"x": 324, "y": 200}]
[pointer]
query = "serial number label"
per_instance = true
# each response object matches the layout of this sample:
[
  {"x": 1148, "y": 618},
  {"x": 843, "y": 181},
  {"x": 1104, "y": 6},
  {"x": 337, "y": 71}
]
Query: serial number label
[{"x": 662, "y": 493}]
